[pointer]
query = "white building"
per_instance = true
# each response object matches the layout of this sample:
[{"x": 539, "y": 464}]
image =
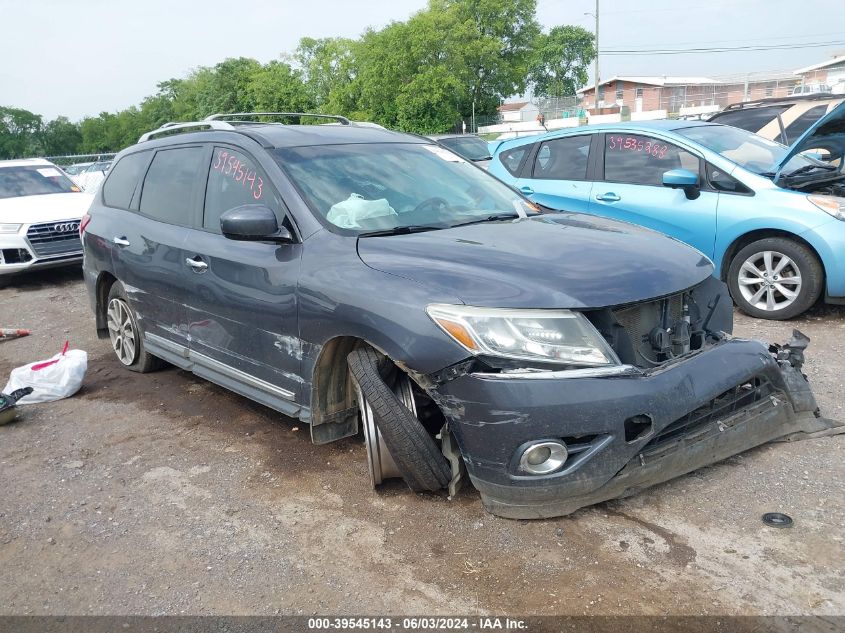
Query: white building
[{"x": 518, "y": 111}]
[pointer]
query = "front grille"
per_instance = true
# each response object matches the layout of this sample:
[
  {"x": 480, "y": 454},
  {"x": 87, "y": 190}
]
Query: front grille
[
  {"x": 53, "y": 239},
  {"x": 720, "y": 407},
  {"x": 639, "y": 320}
]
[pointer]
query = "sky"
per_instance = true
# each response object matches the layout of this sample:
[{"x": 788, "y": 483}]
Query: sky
[{"x": 81, "y": 57}]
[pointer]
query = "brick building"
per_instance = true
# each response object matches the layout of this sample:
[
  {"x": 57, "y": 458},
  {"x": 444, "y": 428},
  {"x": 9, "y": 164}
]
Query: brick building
[
  {"x": 649, "y": 93},
  {"x": 830, "y": 74}
]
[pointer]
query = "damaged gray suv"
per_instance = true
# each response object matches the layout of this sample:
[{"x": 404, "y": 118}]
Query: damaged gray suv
[{"x": 350, "y": 276}]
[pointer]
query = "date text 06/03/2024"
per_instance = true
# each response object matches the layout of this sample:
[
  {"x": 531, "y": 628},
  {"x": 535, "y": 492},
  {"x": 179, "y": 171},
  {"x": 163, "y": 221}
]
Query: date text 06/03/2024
[{"x": 417, "y": 623}]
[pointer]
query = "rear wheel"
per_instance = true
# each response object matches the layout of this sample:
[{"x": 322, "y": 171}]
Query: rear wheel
[
  {"x": 124, "y": 335},
  {"x": 775, "y": 278}
]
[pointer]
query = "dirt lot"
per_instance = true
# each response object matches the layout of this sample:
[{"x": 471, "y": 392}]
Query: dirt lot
[{"x": 163, "y": 494}]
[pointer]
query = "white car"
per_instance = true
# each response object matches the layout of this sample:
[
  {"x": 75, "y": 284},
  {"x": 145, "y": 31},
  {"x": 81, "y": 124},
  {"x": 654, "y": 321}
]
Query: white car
[
  {"x": 40, "y": 213},
  {"x": 76, "y": 170},
  {"x": 93, "y": 175}
]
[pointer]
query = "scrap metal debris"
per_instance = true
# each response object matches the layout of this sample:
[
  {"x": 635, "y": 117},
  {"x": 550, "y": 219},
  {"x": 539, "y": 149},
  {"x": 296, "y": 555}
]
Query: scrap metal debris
[
  {"x": 7, "y": 334},
  {"x": 8, "y": 412},
  {"x": 777, "y": 519}
]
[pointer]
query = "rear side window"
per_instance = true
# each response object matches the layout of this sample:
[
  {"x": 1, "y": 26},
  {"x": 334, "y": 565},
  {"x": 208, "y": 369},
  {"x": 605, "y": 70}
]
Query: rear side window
[
  {"x": 803, "y": 122},
  {"x": 512, "y": 158},
  {"x": 234, "y": 180},
  {"x": 642, "y": 160},
  {"x": 563, "y": 158},
  {"x": 168, "y": 192},
  {"x": 752, "y": 119},
  {"x": 121, "y": 183}
]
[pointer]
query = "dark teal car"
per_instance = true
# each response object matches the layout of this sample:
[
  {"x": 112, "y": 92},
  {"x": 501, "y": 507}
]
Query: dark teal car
[{"x": 351, "y": 277}]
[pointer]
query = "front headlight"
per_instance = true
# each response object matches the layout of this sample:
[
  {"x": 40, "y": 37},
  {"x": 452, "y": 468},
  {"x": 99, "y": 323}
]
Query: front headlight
[
  {"x": 551, "y": 336},
  {"x": 830, "y": 204},
  {"x": 10, "y": 228}
]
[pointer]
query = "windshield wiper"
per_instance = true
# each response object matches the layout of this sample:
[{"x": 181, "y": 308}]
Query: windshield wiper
[
  {"x": 496, "y": 217},
  {"x": 402, "y": 230},
  {"x": 808, "y": 168}
]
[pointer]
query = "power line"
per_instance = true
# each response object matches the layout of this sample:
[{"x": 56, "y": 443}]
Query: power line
[
  {"x": 719, "y": 49},
  {"x": 744, "y": 39}
]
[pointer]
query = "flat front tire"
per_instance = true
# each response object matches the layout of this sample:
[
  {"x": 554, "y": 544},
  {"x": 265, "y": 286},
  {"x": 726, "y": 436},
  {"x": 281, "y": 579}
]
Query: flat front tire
[
  {"x": 775, "y": 278},
  {"x": 124, "y": 334},
  {"x": 397, "y": 442}
]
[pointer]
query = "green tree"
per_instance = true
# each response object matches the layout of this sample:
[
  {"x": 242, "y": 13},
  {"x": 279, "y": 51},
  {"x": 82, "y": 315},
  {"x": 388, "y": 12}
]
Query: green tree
[
  {"x": 476, "y": 53},
  {"x": 329, "y": 68},
  {"x": 60, "y": 137},
  {"x": 387, "y": 60},
  {"x": 424, "y": 75},
  {"x": 561, "y": 60},
  {"x": 224, "y": 88},
  {"x": 428, "y": 103},
  {"x": 19, "y": 133},
  {"x": 489, "y": 44},
  {"x": 276, "y": 87},
  {"x": 99, "y": 133}
]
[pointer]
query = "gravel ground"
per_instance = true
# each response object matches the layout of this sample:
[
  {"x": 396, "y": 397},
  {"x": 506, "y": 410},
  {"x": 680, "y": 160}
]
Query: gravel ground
[{"x": 164, "y": 494}]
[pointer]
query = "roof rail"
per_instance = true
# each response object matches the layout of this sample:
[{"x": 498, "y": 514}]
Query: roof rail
[
  {"x": 170, "y": 127},
  {"x": 816, "y": 96},
  {"x": 237, "y": 115}
]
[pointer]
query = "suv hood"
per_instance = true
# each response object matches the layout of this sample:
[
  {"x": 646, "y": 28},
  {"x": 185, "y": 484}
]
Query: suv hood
[
  {"x": 45, "y": 208},
  {"x": 561, "y": 260},
  {"x": 826, "y": 133}
]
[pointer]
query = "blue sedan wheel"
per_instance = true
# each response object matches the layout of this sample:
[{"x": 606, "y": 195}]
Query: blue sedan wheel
[{"x": 775, "y": 278}]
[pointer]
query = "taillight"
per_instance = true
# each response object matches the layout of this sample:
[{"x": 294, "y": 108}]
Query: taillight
[{"x": 83, "y": 223}]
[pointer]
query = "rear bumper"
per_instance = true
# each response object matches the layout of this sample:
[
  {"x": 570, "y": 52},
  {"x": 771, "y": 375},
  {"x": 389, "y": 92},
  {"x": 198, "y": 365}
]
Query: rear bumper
[{"x": 715, "y": 404}]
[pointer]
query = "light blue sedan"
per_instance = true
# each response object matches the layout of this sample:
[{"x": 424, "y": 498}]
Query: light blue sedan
[{"x": 772, "y": 218}]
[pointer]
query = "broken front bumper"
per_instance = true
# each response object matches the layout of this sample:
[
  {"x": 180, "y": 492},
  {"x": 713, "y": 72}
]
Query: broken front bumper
[{"x": 623, "y": 433}]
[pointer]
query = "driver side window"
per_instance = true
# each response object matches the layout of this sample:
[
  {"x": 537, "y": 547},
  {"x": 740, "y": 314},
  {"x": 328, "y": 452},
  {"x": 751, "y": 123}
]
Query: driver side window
[
  {"x": 234, "y": 180},
  {"x": 642, "y": 160}
]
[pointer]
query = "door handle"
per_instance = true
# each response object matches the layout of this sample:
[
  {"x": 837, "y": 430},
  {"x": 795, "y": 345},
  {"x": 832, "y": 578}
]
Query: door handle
[
  {"x": 526, "y": 190},
  {"x": 197, "y": 265},
  {"x": 120, "y": 241},
  {"x": 608, "y": 197}
]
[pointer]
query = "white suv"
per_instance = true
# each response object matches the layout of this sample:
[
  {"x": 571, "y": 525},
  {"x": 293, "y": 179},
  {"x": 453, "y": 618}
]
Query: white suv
[
  {"x": 91, "y": 177},
  {"x": 40, "y": 212}
]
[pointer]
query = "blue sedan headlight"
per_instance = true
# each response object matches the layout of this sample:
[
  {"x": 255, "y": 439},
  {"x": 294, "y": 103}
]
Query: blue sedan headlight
[{"x": 830, "y": 204}]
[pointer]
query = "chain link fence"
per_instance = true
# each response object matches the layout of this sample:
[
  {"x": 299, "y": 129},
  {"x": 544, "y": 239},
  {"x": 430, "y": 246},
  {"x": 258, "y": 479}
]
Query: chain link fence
[{"x": 75, "y": 159}]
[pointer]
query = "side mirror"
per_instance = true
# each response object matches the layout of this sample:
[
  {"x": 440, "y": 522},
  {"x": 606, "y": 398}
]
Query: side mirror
[
  {"x": 683, "y": 179},
  {"x": 253, "y": 223}
]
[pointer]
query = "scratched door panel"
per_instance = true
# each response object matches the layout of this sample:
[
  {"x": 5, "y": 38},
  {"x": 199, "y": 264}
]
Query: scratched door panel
[{"x": 242, "y": 308}]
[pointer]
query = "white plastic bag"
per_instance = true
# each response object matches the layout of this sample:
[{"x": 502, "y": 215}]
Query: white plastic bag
[
  {"x": 348, "y": 213},
  {"x": 53, "y": 379}
]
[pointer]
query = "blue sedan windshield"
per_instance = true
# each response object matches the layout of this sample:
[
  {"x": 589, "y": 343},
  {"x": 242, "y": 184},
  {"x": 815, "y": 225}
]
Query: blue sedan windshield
[{"x": 747, "y": 150}]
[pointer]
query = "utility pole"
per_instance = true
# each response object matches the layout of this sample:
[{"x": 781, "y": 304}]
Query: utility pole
[{"x": 598, "y": 78}]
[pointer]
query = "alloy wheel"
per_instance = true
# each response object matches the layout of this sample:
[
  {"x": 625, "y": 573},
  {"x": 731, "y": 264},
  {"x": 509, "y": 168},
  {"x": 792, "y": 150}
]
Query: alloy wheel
[
  {"x": 379, "y": 459},
  {"x": 769, "y": 281},
  {"x": 121, "y": 331}
]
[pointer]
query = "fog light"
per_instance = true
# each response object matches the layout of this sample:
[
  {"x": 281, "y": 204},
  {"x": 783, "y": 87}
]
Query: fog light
[{"x": 543, "y": 458}]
